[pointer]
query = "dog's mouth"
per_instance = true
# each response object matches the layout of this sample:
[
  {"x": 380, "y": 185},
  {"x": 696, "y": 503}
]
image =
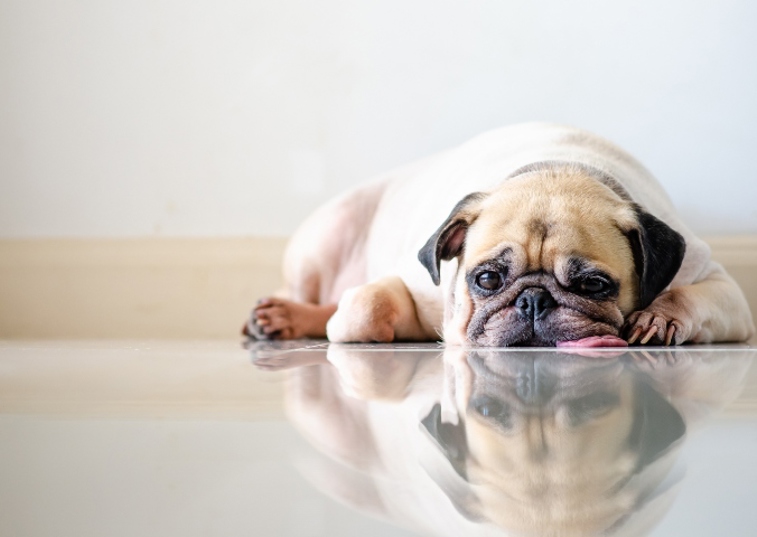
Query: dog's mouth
[
  {"x": 544, "y": 315},
  {"x": 564, "y": 329},
  {"x": 594, "y": 342}
]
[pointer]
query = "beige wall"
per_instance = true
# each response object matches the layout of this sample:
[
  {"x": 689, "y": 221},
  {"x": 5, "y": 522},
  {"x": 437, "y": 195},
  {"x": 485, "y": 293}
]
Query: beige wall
[{"x": 134, "y": 288}]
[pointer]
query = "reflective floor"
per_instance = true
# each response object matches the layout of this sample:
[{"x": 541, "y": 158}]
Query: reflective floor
[{"x": 307, "y": 439}]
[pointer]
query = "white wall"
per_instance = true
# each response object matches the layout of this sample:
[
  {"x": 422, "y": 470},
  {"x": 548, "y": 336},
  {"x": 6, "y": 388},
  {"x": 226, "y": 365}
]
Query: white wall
[{"x": 232, "y": 117}]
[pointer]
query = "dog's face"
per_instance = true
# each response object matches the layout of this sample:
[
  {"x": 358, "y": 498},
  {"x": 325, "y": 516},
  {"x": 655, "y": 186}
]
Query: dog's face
[
  {"x": 555, "y": 444},
  {"x": 553, "y": 255},
  {"x": 556, "y": 449}
]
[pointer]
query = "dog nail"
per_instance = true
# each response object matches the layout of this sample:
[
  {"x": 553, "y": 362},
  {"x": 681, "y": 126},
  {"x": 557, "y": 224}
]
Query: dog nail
[
  {"x": 651, "y": 360},
  {"x": 669, "y": 335},
  {"x": 652, "y": 331},
  {"x": 634, "y": 336}
]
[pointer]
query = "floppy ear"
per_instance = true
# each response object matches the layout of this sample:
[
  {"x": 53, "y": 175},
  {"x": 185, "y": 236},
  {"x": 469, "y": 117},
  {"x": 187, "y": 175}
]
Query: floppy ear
[
  {"x": 449, "y": 438},
  {"x": 447, "y": 242},
  {"x": 452, "y": 442},
  {"x": 657, "y": 425},
  {"x": 658, "y": 252}
]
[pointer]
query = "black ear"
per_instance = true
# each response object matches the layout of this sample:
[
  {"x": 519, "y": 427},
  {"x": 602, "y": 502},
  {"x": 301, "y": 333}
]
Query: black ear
[
  {"x": 452, "y": 442},
  {"x": 658, "y": 252},
  {"x": 450, "y": 438},
  {"x": 657, "y": 425},
  {"x": 447, "y": 242}
]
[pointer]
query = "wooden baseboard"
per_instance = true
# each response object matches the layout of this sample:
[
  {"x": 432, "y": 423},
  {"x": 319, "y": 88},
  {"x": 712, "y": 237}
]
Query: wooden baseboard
[
  {"x": 134, "y": 288},
  {"x": 738, "y": 254},
  {"x": 176, "y": 288}
]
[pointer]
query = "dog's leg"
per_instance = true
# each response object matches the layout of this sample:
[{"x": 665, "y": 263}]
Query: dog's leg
[
  {"x": 374, "y": 375},
  {"x": 324, "y": 257},
  {"x": 381, "y": 311},
  {"x": 286, "y": 319},
  {"x": 708, "y": 311}
]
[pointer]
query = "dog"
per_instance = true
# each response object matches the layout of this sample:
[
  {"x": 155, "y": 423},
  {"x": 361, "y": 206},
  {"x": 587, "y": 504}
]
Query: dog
[
  {"x": 556, "y": 237},
  {"x": 534, "y": 443}
]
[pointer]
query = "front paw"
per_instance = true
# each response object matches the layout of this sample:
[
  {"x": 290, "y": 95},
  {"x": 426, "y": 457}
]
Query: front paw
[
  {"x": 365, "y": 314},
  {"x": 662, "y": 323}
]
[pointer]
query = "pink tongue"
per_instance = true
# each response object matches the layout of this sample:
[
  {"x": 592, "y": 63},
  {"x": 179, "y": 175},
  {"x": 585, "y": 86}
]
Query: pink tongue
[{"x": 595, "y": 341}]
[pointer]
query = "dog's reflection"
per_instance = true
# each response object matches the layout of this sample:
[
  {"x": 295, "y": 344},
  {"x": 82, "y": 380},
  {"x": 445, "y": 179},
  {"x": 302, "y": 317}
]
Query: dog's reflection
[
  {"x": 533, "y": 443},
  {"x": 550, "y": 445}
]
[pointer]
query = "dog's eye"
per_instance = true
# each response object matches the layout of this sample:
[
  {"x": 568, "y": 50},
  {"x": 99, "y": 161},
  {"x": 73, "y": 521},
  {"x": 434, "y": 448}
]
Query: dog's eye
[
  {"x": 489, "y": 407},
  {"x": 490, "y": 280},
  {"x": 592, "y": 406},
  {"x": 593, "y": 285}
]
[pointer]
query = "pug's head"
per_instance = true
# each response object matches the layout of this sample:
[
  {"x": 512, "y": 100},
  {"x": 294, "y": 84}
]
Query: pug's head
[
  {"x": 555, "y": 444},
  {"x": 559, "y": 252}
]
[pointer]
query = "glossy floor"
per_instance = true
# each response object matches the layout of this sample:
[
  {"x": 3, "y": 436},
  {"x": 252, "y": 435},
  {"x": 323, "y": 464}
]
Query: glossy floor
[{"x": 306, "y": 439}]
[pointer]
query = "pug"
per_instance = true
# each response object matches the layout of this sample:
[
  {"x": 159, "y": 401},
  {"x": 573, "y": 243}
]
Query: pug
[
  {"x": 556, "y": 444},
  {"x": 532, "y": 443},
  {"x": 530, "y": 235}
]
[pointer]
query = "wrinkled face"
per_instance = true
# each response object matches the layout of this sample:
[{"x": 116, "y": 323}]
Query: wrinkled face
[
  {"x": 546, "y": 259},
  {"x": 548, "y": 448},
  {"x": 533, "y": 412},
  {"x": 549, "y": 442}
]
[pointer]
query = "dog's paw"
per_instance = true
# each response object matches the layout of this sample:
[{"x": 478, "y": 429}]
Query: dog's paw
[
  {"x": 664, "y": 322},
  {"x": 658, "y": 361},
  {"x": 289, "y": 360},
  {"x": 365, "y": 314},
  {"x": 252, "y": 330},
  {"x": 278, "y": 318},
  {"x": 271, "y": 318}
]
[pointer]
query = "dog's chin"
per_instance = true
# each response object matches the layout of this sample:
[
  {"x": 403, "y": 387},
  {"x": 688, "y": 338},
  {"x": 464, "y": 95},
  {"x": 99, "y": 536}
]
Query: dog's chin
[{"x": 564, "y": 327}]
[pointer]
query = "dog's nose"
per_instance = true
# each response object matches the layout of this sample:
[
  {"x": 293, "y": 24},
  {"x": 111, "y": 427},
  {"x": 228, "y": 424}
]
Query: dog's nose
[
  {"x": 535, "y": 386},
  {"x": 535, "y": 303}
]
